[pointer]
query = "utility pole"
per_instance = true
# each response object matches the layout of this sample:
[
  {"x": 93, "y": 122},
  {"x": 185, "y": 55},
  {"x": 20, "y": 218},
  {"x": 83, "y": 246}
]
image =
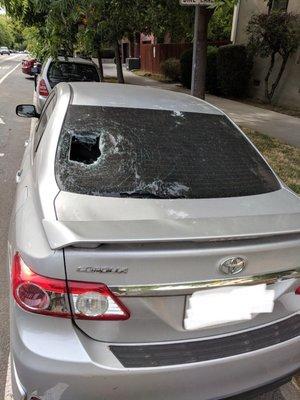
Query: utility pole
[
  {"x": 202, "y": 17},
  {"x": 204, "y": 9}
]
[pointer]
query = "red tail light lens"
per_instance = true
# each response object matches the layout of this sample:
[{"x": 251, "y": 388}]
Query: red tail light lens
[
  {"x": 47, "y": 296},
  {"x": 297, "y": 290},
  {"x": 43, "y": 91},
  {"x": 38, "y": 294},
  {"x": 33, "y": 296}
]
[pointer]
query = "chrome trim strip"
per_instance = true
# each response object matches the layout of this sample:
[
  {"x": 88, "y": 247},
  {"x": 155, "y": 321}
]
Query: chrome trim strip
[{"x": 176, "y": 289}]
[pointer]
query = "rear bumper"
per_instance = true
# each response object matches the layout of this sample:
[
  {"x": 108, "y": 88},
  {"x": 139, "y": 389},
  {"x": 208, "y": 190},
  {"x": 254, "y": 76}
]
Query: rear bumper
[
  {"x": 65, "y": 364},
  {"x": 252, "y": 394},
  {"x": 27, "y": 71}
]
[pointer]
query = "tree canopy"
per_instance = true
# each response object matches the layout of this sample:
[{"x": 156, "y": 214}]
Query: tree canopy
[
  {"x": 6, "y": 35},
  {"x": 84, "y": 24},
  {"x": 88, "y": 25},
  {"x": 11, "y": 33}
]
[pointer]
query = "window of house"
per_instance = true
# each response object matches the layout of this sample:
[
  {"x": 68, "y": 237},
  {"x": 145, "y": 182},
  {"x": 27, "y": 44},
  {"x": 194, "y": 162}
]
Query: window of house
[{"x": 281, "y": 5}]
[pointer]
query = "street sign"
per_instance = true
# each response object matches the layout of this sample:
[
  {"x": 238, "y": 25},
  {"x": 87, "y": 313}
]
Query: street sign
[{"x": 197, "y": 2}]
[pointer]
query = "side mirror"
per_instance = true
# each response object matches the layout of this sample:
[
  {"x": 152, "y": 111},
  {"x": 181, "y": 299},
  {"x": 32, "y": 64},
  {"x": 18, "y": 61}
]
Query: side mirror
[
  {"x": 34, "y": 70},
  {"x": 27, "y": 111}
]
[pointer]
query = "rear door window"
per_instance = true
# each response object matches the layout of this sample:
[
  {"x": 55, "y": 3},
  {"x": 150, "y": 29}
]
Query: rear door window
[
  {"x": 46, "y": 113},
  {"x": 143, "y": 153},
  {"x": 71, "y": 72}
]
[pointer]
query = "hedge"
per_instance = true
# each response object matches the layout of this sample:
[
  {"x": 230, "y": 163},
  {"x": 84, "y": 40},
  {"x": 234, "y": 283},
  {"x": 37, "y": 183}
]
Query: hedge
[
  {"x": 186, "y": 61},
  {"x": 233, "y": 70},
  {"x": 171, "y": 69},
  {"x": 228, "y": 70},
  {"x": 212, "y": 85}
]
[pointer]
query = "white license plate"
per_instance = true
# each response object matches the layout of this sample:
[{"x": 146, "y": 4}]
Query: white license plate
[{"x": 214, "y": 307}]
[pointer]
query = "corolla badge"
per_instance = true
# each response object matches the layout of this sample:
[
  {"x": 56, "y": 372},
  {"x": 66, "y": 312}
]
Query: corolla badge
[
  {"x": 103, "y": 270},
  {"x": 233, "y": 265}
]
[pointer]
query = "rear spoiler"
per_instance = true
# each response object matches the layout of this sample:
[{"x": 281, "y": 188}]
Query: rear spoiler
[{"x": 62, "y": 234}]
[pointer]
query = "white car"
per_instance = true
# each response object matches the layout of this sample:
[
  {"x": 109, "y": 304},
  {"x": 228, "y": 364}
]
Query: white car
[
  {"x": 63, "y": 70},
  {"x": 4, "y": 50}
]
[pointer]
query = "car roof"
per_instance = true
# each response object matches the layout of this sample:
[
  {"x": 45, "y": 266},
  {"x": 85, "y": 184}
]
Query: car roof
[
  {"x": 76, "y": 60},
  {"x": 133, "y": 96}
]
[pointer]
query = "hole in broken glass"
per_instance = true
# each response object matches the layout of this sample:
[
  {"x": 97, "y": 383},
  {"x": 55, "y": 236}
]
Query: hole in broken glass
[{"x": 85, "y": 149}]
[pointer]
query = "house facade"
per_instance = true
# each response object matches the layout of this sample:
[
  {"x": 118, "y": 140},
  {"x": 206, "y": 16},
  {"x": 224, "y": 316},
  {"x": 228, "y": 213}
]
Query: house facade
[{"x": 288, "y": 91}]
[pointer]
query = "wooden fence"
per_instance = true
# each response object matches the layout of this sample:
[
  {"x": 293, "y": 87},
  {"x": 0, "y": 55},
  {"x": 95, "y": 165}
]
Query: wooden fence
[{"x": 152, "y": 55}]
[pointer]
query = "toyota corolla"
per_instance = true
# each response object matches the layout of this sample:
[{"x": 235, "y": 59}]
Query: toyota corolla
[{"x": 153, "y": 252}]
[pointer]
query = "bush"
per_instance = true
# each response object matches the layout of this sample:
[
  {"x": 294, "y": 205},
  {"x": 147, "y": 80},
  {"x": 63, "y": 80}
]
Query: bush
[
  {"x": 212, "y": 84},
  {"x": 233, "y": 70},
  {"x": 186, "y": 61},
  {"x": 106, "y": 53},
  {"x": 171, "y": 69}
]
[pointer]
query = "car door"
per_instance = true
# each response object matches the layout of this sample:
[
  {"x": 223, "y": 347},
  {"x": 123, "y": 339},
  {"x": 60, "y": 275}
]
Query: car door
[{"x": 24, "y": 174}]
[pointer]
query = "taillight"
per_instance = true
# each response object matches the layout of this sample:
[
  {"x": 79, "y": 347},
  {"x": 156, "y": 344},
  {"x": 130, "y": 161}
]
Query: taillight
[
  {"x": 48, "y": 296},
  {"x": 43, "y": 91},
  {"x": 297, "y": 290},
  {"x": 95, "y": 301}
]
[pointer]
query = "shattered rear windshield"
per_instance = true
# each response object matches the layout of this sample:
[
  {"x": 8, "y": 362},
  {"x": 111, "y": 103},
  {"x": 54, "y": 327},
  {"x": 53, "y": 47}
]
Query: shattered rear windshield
[{"x": 144, "y": 153}]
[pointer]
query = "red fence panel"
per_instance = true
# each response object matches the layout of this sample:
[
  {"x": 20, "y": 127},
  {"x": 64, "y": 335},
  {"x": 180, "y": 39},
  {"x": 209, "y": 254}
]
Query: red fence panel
[{"x": 152, "y": 55}]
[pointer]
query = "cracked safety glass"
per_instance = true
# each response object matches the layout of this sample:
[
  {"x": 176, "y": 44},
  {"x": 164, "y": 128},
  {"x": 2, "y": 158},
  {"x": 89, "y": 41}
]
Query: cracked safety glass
[{"x": 150, "y": 153}]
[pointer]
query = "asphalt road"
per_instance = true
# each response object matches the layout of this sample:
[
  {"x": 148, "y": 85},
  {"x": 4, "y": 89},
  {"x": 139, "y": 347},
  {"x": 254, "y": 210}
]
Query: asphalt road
[{"x": 15, "y": 89}]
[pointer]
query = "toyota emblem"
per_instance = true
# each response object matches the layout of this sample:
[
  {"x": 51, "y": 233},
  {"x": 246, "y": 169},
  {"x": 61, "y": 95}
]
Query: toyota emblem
[{"x": 233, "y": 265}]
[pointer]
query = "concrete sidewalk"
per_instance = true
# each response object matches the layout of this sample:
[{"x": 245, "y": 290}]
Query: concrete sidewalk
[{"x": 280, "y": 126}]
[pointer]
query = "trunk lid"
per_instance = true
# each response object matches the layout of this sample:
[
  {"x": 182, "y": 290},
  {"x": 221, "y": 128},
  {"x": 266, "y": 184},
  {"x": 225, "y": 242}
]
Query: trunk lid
[{"x": 136, "y": 242}]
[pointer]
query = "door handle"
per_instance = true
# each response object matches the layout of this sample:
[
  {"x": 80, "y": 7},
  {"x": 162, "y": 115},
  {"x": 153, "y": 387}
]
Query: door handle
[{"x": 18, "y": 176}]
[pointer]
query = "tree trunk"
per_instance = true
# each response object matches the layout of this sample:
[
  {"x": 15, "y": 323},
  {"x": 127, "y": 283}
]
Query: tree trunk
[
  {"x": 99, "y": 57},
  {"x": 267, "y": 96},
  {"x": 119, "y": 63},
  {"x": 277, "y": 80},
  {"x": 202, "y": 18}
]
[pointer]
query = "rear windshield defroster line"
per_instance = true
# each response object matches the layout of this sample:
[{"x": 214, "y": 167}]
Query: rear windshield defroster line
[{"x": 145, "y": 153}]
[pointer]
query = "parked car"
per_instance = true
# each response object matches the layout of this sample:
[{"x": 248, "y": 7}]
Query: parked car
[
  {"x": 4, "y": 50},
  {"x": 153, "y": 252},
  {"x": 63, "y": 70},
  {"x": 27, "y": 66}
]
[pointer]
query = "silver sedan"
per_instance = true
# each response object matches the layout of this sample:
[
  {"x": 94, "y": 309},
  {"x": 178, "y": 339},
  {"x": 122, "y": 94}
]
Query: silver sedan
[{"x": 153, "y": 252}]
